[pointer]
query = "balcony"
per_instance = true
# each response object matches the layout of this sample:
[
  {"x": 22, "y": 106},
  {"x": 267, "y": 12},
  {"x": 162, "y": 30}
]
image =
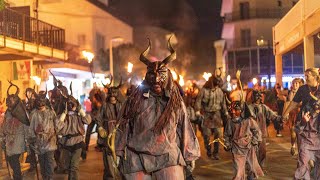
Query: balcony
[
  {"x": 245, "y": 42},
  {"x": 25, "y": 28},
  {"x": 24, "y": 37},
  {"x": 256, "y": 14}
]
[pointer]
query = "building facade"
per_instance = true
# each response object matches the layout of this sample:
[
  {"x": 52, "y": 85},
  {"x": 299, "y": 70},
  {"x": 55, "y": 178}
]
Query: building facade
[
  {"x": 87, "y": 27},
  {"x": 247, "y": 38}
]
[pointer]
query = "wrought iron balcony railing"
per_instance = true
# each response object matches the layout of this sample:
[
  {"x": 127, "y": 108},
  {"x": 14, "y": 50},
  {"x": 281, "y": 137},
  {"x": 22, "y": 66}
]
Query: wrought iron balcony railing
[
  {"x": 256, "y": 13},
  {"x": 26, "y": 28}
]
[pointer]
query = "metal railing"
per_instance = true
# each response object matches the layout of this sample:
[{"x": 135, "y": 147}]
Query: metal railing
[
  {"x": 245, "y": 42},
  {"x": 20, "y": 26},
  {"x": 256, "y": 13}
]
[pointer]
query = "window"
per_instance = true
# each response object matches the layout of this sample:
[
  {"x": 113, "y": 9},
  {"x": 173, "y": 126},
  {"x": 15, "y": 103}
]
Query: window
[
  {"x": 244, "y": 10},
  {"x": 279, "y": 3},
  {"x": 82, "y": 40},
  {"x": 100, "y": 42},
  {"x": 245, "y": 38}
]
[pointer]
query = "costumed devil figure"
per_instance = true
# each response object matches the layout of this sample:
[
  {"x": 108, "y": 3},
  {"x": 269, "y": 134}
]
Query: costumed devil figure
[
  {"x": 42, "y": 136},
  {"x": 70, "y": 125},
  {"x": 263, "y": 115},
  {"x": 107, "y": 122},
  {"x": 211, "y": 102},
  {"x": 58, "y": 101},
  {"x": 155, "y": 138},
  {"x": 97, "y": 98},
  {"x": 242, "y": 136},
  {"x": 14, "y": 131}
]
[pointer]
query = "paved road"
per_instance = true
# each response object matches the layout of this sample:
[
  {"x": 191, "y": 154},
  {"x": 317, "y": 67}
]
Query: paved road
[{"x": 280, "y": 164}]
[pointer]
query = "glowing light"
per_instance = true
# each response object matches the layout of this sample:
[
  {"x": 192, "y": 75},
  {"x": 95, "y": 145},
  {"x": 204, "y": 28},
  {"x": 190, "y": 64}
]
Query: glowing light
[
  {"x": 174, "y": 75},
  {"x": 206, "y": 76},
  {"x": 88, "y": 55},
  {"x": 228, "y": 78},
  {"x": 254, "y": 81},
  {"x": 36, "y": 79},
  {"x": 181, "y": 81},
  {"x": 130, "y": 67}
]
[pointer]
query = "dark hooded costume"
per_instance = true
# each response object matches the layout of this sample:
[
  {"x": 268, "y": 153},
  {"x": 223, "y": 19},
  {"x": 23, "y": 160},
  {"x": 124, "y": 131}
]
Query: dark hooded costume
[{"x": 155, "y": 137}]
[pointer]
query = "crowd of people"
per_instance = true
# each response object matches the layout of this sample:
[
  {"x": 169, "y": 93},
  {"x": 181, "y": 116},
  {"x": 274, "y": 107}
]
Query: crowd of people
[{"x": 150, "y": 132}]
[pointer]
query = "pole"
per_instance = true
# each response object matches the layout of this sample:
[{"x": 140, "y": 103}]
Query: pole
[
  {"x": 269, "y": 63},
  {"x": 110, "y": 57}
]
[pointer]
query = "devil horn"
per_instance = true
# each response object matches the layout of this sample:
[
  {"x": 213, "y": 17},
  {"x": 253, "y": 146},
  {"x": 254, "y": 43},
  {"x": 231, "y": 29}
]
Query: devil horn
[
  {"x": 172, "y": 56},
  {"x": 18, "y": 89},
  {"x": 71, "y": 88},
  {"x": 55, "y": 81},
  {"x": 143, "y": 55}
]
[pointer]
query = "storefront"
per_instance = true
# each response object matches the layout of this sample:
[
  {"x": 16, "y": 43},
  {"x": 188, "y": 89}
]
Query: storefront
[{"x": 298, "y": 32}]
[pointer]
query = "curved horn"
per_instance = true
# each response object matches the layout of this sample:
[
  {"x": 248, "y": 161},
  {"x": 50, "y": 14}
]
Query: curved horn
[
  {"x": 143, "y": 55},
  {"x": 172, "y": 56},
  {"x": 313, "y": 97},
  {"x": 104, "y": 85},
  {"x": 111, "y": 79},
  {"x": 18, "y": 89},
  {"x": 120, "y": 84},
  {"x": 71, "y": 88},
  {"x": 55, "y": 81}
]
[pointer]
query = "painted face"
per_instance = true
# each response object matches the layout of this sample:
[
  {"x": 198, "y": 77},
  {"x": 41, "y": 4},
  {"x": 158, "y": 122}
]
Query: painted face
[
  {"x": 157, "y": 77},
  {"x": 113, "y": 94},
  {"x": 11, "y": 102},
  {"x": 72, "y": 103},
  {"x": 235, "y": 108}
]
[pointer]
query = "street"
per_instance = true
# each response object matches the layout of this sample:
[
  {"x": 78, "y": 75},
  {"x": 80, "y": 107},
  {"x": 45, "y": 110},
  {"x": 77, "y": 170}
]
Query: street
[{"x": 280, "y": 164}]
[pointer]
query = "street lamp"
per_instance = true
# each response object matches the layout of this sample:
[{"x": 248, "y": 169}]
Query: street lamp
[
  {"x": 89, "y": 57},
  {"x": 114, "y": 39}
]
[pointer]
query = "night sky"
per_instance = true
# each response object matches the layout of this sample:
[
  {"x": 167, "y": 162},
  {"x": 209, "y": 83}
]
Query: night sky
[{"x": 198, "y": 21}]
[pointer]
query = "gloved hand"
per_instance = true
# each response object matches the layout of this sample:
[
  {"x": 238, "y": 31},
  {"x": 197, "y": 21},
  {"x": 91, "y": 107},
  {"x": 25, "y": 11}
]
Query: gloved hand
[
  {"x": 82, "y": 113},
  {"x": 102, "y": 132},
  {"x": 191, "y": 165}
]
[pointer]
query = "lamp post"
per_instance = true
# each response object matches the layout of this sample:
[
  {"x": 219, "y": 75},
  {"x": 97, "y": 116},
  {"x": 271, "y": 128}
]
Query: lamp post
[{"x": 114, "y": 39}]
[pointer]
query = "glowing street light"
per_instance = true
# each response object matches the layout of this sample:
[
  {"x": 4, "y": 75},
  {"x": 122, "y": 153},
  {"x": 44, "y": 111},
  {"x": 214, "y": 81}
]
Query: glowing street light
[
  {"x": 130, "y": 67},
  {"x": 88, "y": 55},
  {"x": 206, "y": 76}
]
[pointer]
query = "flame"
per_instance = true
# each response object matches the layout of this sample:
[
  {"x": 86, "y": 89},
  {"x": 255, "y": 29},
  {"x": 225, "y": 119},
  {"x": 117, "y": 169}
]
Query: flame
[{"x": 206, "y": 76}]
